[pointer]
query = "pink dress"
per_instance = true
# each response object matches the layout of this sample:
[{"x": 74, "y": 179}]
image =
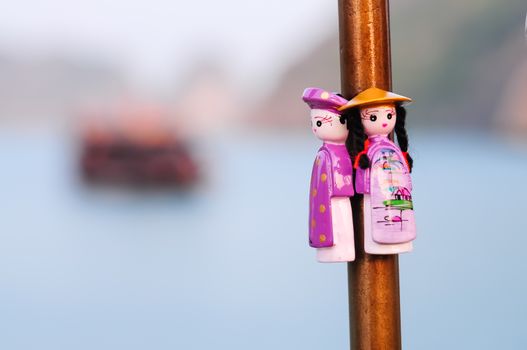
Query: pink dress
[{"x": 389, "y": 225}]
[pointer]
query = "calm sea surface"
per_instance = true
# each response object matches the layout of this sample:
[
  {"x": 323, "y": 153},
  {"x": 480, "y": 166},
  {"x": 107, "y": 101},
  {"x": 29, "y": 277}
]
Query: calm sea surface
[{"x": 228, "y": 266}]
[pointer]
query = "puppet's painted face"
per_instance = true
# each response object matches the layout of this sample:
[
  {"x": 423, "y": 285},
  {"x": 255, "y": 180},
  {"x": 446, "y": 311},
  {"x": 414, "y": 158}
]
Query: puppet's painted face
[
  {"x": 378, "y": 119},
  {"x": 328, "y": 126}
]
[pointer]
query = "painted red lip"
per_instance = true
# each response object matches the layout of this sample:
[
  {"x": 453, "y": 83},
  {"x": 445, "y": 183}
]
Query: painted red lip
[{"x": 384, "y": 125}]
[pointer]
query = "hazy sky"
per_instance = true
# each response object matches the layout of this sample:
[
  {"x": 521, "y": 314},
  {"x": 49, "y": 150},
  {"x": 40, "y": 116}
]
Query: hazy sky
[{"x": 158, "y": 40}]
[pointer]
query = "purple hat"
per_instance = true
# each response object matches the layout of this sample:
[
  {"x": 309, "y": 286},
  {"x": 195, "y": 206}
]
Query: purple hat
[{"x": 321, "y": 99}]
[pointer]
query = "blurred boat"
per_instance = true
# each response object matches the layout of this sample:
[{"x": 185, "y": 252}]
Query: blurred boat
[{"x": 137, "y": 150}]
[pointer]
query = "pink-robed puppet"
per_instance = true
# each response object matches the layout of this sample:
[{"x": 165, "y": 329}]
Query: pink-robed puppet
[
  {"x": 382, "y": 170},
  {"x": 330, "y": 217}
]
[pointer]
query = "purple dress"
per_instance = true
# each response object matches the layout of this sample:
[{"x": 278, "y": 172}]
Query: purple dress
[
  {"x": 331, "y": 177},
  {"x": 390, "y": 187}
]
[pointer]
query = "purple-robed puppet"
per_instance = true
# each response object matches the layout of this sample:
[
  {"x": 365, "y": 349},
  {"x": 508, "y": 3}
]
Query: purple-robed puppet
[
  {"x": 330, "y": 217},
  {"x": 331, "y": 177}
]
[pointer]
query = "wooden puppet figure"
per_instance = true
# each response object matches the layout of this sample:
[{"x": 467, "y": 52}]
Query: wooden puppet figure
[
  {"x": 330, "y": 217},
  {"x": 382, "y": 170}
]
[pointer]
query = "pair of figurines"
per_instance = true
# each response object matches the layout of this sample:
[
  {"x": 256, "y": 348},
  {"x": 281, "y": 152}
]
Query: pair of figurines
[{"x": 371, "y": 165}]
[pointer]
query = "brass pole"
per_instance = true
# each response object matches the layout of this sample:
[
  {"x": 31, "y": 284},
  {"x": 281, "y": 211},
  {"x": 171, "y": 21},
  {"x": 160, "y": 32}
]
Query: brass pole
[{"x": 373, "y": 280}]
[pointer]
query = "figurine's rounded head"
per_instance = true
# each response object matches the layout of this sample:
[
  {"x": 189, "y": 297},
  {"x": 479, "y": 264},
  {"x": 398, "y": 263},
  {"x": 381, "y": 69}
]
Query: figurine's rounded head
[
  {"x": 326, "y": 121},
  {"x": 374, "y": 96},
  {"x": 378, "y": 119},
  {"x": 329, "y": 126}
]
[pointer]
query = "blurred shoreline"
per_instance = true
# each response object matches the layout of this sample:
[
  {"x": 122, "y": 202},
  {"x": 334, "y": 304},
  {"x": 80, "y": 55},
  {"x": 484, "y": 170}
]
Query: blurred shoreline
[{"x": 475, "y": 80}]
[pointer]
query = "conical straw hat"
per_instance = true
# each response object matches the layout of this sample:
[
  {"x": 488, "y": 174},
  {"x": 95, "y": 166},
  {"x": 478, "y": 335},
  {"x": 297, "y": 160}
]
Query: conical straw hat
[{"x": 374, "y": 96}]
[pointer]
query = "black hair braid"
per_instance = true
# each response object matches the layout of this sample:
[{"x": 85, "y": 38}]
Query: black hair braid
[
  {"x": 350, "y": 146},
  {"x": 402, "y": 136},
  {"x": 356, "y": 138},
  {"x": 364, "y": 161}
]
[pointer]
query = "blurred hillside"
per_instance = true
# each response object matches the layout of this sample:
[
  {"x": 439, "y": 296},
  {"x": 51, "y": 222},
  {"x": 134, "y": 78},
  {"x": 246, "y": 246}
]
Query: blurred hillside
[
  {"x": 61, "y": 89},
  {"x": 460, "y": 61},
  {"x": 42, "y": 89},
  {"x": 454, "y": 58},
  {"x": 511, "y": 116}
]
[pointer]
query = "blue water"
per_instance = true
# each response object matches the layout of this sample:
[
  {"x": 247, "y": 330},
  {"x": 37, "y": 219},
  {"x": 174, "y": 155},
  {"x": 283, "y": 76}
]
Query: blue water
[{"x": 228, "y": 267}]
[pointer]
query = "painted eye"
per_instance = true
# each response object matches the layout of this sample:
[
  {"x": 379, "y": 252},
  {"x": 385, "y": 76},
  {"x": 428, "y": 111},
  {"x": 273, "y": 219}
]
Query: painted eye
[
  {"x": 373, "y": 117},
  {"x": 389, "y": 116},
  {"x": 319, "y": 123},
  {"x": 342, "y": 120}
]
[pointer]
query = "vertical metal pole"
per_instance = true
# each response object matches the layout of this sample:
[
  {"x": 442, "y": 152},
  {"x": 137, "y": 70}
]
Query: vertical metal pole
[{"x": 373, "y": 280}]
